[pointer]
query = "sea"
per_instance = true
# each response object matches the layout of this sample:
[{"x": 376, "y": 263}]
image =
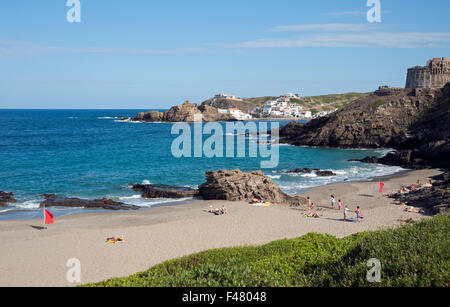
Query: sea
[{"x": 93, "y": 154}]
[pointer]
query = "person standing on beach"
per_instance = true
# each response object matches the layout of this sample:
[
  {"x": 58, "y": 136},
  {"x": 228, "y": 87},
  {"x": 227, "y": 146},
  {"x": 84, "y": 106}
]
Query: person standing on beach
[
  {"x": 333, "y": 201},
  {"x": 358, "y": 214},
  {"x": 309, "y": 202},
  {"x": 340, "y": 204},
  {"x": 345, "y": 213}
]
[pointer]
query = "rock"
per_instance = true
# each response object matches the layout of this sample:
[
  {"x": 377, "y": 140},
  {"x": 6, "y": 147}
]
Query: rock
[
  {"x": 52, "y": 200},
  {"x": 236, "y": 185},
  {"x": 184, "y": 113},
  {"x": 436, "y": 199},
  {"x": 300, "y": 170},
  {"x": 164, "y": 191},
  {"x": 6, "y": 198},
  {"x": 414, "y": 123},
  {"x": 325, "y": 173}
]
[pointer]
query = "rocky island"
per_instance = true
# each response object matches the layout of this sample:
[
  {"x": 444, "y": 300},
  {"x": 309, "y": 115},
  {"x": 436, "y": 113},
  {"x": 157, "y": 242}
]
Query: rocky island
[{"x": 184, "y": 113}]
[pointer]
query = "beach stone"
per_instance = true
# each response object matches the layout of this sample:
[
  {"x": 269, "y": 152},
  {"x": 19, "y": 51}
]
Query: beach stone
[
  {"x": 164, "y": 191},
  {"x": 52, "y": 200},
  {"x": 6, "y": 198},
  {"x": 235, "y": 185}
]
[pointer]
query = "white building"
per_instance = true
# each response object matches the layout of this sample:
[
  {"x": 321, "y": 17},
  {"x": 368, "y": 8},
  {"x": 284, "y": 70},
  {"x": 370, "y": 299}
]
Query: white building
[
  {"x": 236, "y": 113},
  {"x": 226, "y": 96}
]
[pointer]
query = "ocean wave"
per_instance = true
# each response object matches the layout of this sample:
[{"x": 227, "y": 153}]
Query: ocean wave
[
  {"x": 296, "y": 183},
  {"x": 108, "y": 117}
]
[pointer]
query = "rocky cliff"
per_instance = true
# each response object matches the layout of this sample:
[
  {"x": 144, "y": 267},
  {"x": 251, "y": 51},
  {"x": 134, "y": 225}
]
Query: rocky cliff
[
  {"x": 184, "y": 113},
  {"x": 415, "y": 122}
]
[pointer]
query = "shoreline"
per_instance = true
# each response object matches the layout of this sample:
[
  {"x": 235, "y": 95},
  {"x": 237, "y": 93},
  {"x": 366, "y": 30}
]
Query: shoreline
[
  {"x": 32, "y": 256},
  {"x": 170, "y": 202}
]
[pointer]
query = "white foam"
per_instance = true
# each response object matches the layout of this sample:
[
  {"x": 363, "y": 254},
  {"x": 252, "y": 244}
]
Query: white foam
[{"x": 146, "y": 181}]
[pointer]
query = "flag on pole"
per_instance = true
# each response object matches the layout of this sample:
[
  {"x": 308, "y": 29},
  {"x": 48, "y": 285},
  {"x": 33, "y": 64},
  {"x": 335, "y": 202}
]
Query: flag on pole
[
  {"x": 48, "y": 217},
  {"x": 381, "y": 187}
]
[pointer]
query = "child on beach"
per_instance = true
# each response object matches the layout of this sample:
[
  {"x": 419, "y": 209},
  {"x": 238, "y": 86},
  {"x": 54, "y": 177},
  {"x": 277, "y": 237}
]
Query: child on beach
[
  {"x": 333, "y": 201},
  {"x": 309, "y": 202},
  {"x": 345, "y": 213},
  {"x": 340, "y": 204},
  {"x": 358, "y": 214}
]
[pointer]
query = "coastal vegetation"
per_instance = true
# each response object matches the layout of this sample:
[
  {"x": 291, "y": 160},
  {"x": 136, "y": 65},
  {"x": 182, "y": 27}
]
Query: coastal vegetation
[{"x": 416, "y": 254}]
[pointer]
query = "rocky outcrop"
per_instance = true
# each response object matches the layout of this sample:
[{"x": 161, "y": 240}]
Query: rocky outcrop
[
  {"x": 52, "y": 200},
  {"x": 236, "y": 185},
  {"x": 184, "y": 113},
  {"x": 412, "y": 121},
  {"x": 164, "y": 191},
  {"x": 435, "y": 199},
  {"x": 6, "y": 198},
  {"x": 316, "y": 171}
]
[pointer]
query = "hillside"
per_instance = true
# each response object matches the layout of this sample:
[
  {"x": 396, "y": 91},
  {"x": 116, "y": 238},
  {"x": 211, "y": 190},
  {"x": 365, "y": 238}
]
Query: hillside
[
  {"x": 415, "y": 122},
  {"x": 313, "y": 103}
]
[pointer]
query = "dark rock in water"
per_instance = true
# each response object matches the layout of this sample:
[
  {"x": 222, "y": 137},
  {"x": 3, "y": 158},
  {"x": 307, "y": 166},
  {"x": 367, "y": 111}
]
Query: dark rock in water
[
  {"x": 301, "y": 170},
  {"x": 6, "y": 198},
  {"x": 309, "y": 171},
  {"x": 164, "y": 191},
  {"x": 235, "y": 185},
  {"x": 325, "y": 173},
  {"x": 435, "y": 199},
  {"x": 52, "y": 200}
]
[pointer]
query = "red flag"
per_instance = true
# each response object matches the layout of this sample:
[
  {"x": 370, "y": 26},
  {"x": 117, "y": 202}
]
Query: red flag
[
  {"x": 381, "y": 187},
  {"x": 48, "y": 217}
]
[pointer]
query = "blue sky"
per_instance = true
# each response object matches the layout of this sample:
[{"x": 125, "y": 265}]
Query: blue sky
[{"x": 154, "y": 54}]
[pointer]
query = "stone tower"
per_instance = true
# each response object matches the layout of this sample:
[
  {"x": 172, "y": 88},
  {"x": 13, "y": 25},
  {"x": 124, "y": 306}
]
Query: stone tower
[{"x": 436, "y": 74}]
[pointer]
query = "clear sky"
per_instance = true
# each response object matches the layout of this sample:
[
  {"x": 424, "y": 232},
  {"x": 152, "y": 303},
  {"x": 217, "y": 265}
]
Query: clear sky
[{"x": 148, "y": 54}]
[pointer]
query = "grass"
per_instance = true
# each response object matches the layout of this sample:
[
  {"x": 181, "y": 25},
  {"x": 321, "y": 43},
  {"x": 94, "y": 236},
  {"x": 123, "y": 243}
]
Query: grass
[
  {"x": 375, "y": 104},
  {"x": 417, "y": 254}
]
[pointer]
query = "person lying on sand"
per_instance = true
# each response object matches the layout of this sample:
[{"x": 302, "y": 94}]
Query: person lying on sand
[
  {"x": 428, "y": 185},
  {"x": 414, "y": 210},
  {"x": 223, "y": 210},
  {"x": 315, "y": 215},
  {"x": 114, "y": 240},
  {"x": 399, "y": 203}
]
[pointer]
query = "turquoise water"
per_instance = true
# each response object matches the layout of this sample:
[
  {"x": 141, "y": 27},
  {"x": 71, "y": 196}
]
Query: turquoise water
[{"x": 93, "y": 154}]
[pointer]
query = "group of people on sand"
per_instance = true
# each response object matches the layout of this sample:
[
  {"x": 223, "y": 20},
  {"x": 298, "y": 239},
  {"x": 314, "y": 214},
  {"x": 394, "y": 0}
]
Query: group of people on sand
[
  {"x": 340, "y": 206},
  {"x": 411, "y": 188},
  {"x": 221, "y": 211}
]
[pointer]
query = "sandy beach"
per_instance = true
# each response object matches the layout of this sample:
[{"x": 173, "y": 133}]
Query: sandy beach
[{"x": 31, "y": 256}]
